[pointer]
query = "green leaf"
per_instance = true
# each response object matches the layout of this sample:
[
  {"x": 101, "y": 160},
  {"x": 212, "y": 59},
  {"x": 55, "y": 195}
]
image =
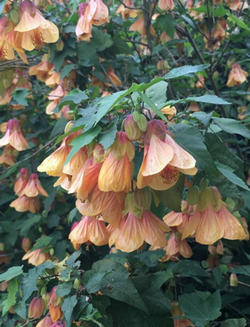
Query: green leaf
[
  {"x": 229, "y": 174},
  {"x": 150, "y": 258},
  {"x": 157, "y": 93},
  {"x": 185, "y": 71},
  {"x": 152, "y": 106},
  {"x": 156, "y": 302},
  {"x": 30, "y": 280},
  {"x": 189, "y": 268},
  {"x": 65, "y": 274},
  {"x": 107, "y": 138},
  {"x": 166, "y": 23},
  {"x": 82, "y": 140},
  {"x": 160, "y": 277},
  {"x": 20, "y": 309},
  {"x": 120, "y": 46},
  {"x": 11, "y": 299},
  {"x": 207, "y": 98},
  {"x": 201, "y": 307},
  {"x": 203, "y": 117},
  {"x": 241, "y": 322},
  {"x": 76, "y": 96},
  {"x": 221, "y": 153},
  {"x": 72, "y": 214},
  {"x": 191, "y": 140},
  {"x": 72, "y": 259},
  {"x": 64, "y": 289},
  {"x": 11, "y": 273},
  {"x": 66, "y": 70},
  {"x": 94, "y": 283},
  {"x": 41, "y": 242},
  {"x": 67, "y": 307},
  {"x": 239, "y": 22},
  {"x": 29, "y": 223},
  {"x": 49, "y": 200},
  {"x": 19, "y": 96},
  {"x": 232, "y": 126},
  {"x": 117, "y": 284}
]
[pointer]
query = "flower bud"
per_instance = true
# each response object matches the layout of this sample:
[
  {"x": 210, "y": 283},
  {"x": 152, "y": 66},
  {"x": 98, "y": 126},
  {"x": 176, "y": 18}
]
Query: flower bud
[
  {"x": 143, "y": 198},
  {"x": 193, "y": 195},
  {"x": 54, "y": 299},
  {"x": 204, "y": 184},
  {"x": 26, "y": 244},
  {"x": 68, "y": 127},
  {"x": 45, "y": 322},
  {"x": 136, "y": 116},
  {"x": 233, "y": 280},
  {"x": 55, "y": 312},
  {"x": 77, "y": 284},
  {"x": 142, "y": 123},
  {"x": 46, "y": 299},
  {"x": 68, "y": 114},
  {"x": 132, "y": 129},
  {"x": 36, "y": 308},
  {"x": 2, "y": 246},
  {"x": 131, "y": 205},
  {"x": 59, "y": 46}
]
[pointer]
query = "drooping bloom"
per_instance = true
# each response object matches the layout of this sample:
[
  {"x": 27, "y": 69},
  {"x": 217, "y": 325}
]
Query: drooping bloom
[
  {"x": 34, "y": 30},
  {"x": 237, "y": 4},
  {"x": 116, "y": 171},
  {"x": 43, "y": 69},
  {"x": 33, "y": 187},
  {"x": 113, "y": 77},
  {"x": 237, "y": 76},
  {"x": 163, "y": 159},
  {"x": 212, "y": 221},
  {"x": 36, "y": 257},
  {"x": 56, "y": 97},
  {"x": 169, "y": 111},
  {"x": 85, "y": 180},
  {"x": 166, "y": 4},
  {"x": 107, "y": 204},
  {"x": 22, "y": 181},
  {"x": 93, "y": 13},
  {"x": 53, "y": 164},
  {"x": 8, "y": 156},
  {"x": 14, "y": 136},
  {"x": 45, "y": 322},
  {"x": 139, "y": 224},
  {"x": 24, "y": 203},
  {"x": 127, "y": 12},
  {"x": 36, "y": 308},
  {"x": 139, "y": 26},
  {"x": 90, "y": 229}
]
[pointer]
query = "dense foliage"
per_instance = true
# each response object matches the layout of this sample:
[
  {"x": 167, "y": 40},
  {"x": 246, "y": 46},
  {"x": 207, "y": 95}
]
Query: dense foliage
[{"x": 124, "y": 163}]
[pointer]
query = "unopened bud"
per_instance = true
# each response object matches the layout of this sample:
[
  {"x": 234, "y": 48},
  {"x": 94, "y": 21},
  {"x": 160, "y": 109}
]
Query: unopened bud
[
  {"x": 2, "y": 246},
  {"x": 51, "y": 251},
  {"x": 77, "y": 284},
  {"x": 26, "y": 244},
  {"x": 193, "y": 195},
  {"x": 204, "y": 183},
  {"x": 45, "y": 322},
  {"x": 68, "y": 114},
  {"x": 55, "y": 312},
  {"x": 136, "y": 116},
  {"x": 233, "y": 280},
  {"x": 3, "y": 286},
  {"x": 45, "y": 297},
  {"x": 68, "y": 127},
  {"x": 132, "y": 129},
  {"x": 142, "y": 123},
  {"x": 36, "y": 308},
  {"x": 60, "y": 46}
]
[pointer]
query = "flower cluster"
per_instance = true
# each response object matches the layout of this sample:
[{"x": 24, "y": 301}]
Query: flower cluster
[{"x": 28, "y": 188}]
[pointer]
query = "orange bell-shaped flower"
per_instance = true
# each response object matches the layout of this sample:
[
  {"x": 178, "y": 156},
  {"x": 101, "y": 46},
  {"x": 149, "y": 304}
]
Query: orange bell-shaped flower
[
  {"x": 34, "y": 30},
  {"x": 237, "y": 76},
  {"x": 22, "y": 181},
  {"x": 36, "y": 257},
  {"x": 163, "y": 159},
  {"x": 33, "y": 187},
  {"x": 116, "y": 171},
  {"x": 14, "y": 136}
]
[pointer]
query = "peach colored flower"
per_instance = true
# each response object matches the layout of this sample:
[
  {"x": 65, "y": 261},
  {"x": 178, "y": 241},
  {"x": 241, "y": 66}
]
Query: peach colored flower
[
  {"x": 237, "y": 76},
  {"x": 14, "y": 136},
  {"x": 33, "y": 29},
  {"x": 163, "y": 159},
  {"x": 25, "y": 203},
  {"x": 116, "y": 171},
  {"x": 22, "y": 181},
  {"x": 36, "y": 257},
  {"x": 8, "y": 156},
  {"x": 43, "y": 69},
  {"x": 33, "y": 188},
  {"x": 139, "y": 26},
  {"x": 166, "y": 4},
  {"x": 127, "y": 12}
]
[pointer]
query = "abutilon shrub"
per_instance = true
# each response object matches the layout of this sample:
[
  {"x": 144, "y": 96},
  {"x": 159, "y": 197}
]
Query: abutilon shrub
[{"x": 124, "y": 161}]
